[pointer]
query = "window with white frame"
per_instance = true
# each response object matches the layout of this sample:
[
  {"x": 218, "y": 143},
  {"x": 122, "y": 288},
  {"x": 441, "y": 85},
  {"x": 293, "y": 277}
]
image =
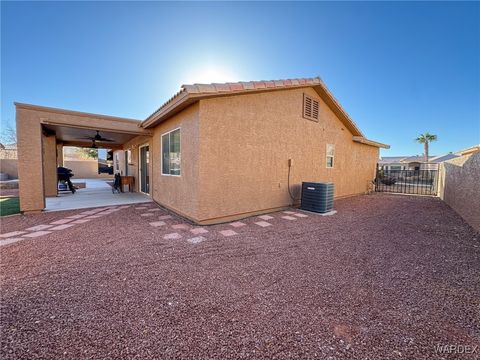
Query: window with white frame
[
  {"x": 330, "y": 155},
  {"x": 171, "y": 154}
]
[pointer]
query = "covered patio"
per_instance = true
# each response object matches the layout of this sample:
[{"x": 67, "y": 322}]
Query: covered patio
[
  {"x": 96, "y": 193},
  {"x": 42, "y": 134}
]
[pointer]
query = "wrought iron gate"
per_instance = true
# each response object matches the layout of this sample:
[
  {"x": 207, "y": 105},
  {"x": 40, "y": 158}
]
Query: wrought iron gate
[{"x": 419, "y": 182}]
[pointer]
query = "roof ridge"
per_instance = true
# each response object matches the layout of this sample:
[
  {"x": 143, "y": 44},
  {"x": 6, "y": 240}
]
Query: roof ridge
[{"x": 232, "y": 87}]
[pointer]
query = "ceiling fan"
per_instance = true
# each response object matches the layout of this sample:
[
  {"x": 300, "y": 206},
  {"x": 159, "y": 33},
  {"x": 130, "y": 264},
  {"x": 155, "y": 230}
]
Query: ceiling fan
[{"x": 97, "y": 138}]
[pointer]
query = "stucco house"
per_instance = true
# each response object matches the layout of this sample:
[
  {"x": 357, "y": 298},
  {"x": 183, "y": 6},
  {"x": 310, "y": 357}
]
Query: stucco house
[
  {"x": 416, "y": 162},
  {"x": 213, "y": 152}
]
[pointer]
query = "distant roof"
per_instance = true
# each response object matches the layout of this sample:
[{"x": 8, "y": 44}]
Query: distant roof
[
  {"x": 442, "y": 158},
  {"x": 8, "y": 146},
  {"x": 402, "y": 159},
  {"x": 416, "y": 158},
  {"x": 190, "y": 94}
]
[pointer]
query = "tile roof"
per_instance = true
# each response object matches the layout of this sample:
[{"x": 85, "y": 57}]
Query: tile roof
[
  {"x": 232, "y": 87},
  {"x": 249, "y": 85},
  {"x": 190, "y": 94}
]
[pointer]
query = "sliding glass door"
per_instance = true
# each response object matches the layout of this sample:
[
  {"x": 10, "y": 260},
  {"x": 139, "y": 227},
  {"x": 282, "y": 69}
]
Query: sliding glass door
[{"x": 143, "y": 169}]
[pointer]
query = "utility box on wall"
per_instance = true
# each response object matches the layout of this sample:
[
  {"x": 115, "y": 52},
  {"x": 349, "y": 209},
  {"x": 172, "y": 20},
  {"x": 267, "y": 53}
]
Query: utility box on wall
[{"x": 317, "y": 197}]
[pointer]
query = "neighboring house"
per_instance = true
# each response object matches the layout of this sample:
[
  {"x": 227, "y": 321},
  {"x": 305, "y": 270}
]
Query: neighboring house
[
  {"x": 219, "y": 152},
  {"x": 8, "y": 161},
  {"x": 471, "y": 150},
  {"x": 416, "y": 162}
]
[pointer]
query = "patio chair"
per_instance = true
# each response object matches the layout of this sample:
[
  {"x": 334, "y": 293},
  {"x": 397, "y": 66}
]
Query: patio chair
[{"x": 117, "y": 183}]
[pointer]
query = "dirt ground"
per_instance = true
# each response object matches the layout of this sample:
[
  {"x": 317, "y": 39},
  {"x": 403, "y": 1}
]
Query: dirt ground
[{"x": 388, "y": 276}]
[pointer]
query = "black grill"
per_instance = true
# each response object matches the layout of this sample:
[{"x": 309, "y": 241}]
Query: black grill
[{"x": 317, "y": 197}]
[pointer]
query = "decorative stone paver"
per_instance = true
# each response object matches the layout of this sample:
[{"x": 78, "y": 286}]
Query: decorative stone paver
[
  {"x": 13, "y": 233},
  {"x": 237, "y": 224},
  {"x": 79, "y": 216},
  {"x": 158, "y": 223},
  {"x": 300, "y": 215},
  {"x": 147, "y": 214},
  {"x": 165, "y": 217},
  {"x": 198, "y": 230},
  {"x": 141, "y": 208},
  {"x": 263, "y": 223},
  {"x": 155, "y": 209},
  {"x": 10, "y": 241},
  {"x": 39, "y": 227},
  {"x": 289, "y": 217},
  {"x": 60, "y": 222},
  {"x": 91, "y": 212},
  {"x": 80, "y": 221},
  {"x": 93, "y": 216},
  {"x": 228, "y": 232},
  {"x": 172, "y": 236},
  {"x": 266, "y": 217},
  {"x": 37, "y": 234},
  {"x": 196, "y": 240},
  {"x": 62, "y": 227},
  {"x": 181, "y": 227},
  {"x": 289, "y": 212}
]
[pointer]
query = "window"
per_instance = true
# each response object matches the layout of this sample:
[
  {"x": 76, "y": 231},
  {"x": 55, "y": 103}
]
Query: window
[
  {"x": 171, "y": 155},
  {"x": 117, "y": 163},
  {"x": 310, "y": 108},
  {"x": 129, "y": 156},
  {"x": 330, "y": 155}
]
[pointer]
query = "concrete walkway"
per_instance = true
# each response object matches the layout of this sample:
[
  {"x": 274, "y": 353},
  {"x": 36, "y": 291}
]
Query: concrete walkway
[{"x": 97, "y": 193}]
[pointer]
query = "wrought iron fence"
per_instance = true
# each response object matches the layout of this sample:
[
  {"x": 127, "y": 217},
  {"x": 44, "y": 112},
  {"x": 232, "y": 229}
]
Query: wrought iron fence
[{"x": 419, "y": 182}]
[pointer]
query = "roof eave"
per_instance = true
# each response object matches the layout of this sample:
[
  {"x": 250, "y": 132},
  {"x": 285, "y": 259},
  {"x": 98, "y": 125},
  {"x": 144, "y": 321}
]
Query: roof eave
[{"x": 365, "y": 141}]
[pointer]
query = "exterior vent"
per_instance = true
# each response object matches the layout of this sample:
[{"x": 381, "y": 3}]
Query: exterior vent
[
  {"x": 310, "y": 108},
  {"x": 317, "y": 197}
]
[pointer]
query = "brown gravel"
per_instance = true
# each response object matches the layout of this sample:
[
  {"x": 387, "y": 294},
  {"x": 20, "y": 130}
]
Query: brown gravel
[{"x": 386, "y": 277}]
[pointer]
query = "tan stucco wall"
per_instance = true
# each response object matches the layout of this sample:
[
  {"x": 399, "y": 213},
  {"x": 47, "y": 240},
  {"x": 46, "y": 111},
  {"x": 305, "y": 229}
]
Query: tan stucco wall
[
  {"x": 10, "y": 167},
  {"x": 50, "y": 165},
  {"x": 85, "y": 169},
  {"x": 179, "y": 193},
  {"x": 459, "y": 187},
  {"x": 59, "y": 154},
  {"x": 30, "y": 169},
  {"x": 245, "y": 144}
]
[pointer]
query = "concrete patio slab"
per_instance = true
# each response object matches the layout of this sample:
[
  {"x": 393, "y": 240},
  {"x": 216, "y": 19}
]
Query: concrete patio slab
[{"x": 97, "y": 193}]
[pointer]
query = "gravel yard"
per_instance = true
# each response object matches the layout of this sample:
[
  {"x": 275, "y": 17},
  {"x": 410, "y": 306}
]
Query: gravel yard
[{"x": 388, "y": 276}]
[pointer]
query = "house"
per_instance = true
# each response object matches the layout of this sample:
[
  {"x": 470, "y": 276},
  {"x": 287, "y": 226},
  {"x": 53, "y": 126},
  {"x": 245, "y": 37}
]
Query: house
[
  {"x": 413, "y": 162},
  {"x": 213, "y": 152}
]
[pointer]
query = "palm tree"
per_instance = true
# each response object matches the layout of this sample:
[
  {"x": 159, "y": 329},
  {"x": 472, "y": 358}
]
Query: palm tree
[{"x": 425, "y": 139}]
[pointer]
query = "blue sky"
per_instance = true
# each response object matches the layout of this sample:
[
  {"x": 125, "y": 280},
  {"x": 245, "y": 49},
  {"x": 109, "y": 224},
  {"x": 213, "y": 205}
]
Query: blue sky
[{"x": 399, "y": 69}]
